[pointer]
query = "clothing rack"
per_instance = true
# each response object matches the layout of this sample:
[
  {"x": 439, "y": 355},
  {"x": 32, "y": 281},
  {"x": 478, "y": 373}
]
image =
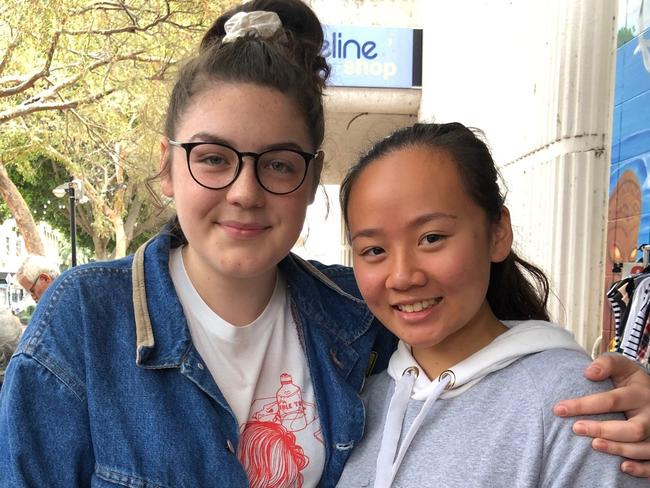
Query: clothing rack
[{"x": 630, "y": 302}]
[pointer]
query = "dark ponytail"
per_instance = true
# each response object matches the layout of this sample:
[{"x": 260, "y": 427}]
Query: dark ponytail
[{"x": 517, "y": 289}]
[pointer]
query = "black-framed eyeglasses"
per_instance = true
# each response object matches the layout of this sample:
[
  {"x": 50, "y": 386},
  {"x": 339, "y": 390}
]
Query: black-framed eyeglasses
[
  {"x": 31, "y": 288},
  {"x": 216, "y": 166}
]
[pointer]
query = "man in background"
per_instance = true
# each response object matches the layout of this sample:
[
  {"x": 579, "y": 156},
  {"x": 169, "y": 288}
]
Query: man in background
[{"x": 35, "y": 274}]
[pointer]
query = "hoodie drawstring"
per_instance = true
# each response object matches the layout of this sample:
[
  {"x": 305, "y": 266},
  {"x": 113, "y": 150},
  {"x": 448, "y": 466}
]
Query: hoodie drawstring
[{"x": 387, "y": 463}]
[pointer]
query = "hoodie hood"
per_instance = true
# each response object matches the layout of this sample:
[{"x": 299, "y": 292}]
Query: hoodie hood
[{"x": 521, "y": 339}]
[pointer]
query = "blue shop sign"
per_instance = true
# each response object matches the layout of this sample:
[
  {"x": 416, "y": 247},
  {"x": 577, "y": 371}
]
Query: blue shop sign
[{"x": 373, "y": 56}]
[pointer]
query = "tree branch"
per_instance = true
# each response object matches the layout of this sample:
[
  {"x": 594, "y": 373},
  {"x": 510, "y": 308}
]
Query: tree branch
[
  {"x": 56, "y": 88},
  {"x": 7, "y": 54},
  {"x": 23, "y": 109},
  {"x": 135, "y": 27},
  {"x": 31, "y": 80},
  {"x": 93, "y": 7},
  {"x": 93, "y": 133},
  {"x": 133, "y": 215}
]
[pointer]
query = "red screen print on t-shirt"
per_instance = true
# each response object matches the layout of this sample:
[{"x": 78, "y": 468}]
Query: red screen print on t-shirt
[{"x": 269, "y": 448}]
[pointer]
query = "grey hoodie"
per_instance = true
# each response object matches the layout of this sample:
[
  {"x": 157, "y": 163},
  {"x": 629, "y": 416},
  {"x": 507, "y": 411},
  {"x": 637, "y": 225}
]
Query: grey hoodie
[{"x": 487, "y": 422}]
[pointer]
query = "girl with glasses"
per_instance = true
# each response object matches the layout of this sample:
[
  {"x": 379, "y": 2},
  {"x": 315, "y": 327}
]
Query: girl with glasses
[{"x": 213, "y": 357}]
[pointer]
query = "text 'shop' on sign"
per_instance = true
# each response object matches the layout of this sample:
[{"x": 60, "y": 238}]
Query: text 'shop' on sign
[{"x": 374, "y": 56}]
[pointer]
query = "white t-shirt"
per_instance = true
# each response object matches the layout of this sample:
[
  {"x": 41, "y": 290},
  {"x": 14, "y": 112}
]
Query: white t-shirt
[{"x": 262, "y": 372}]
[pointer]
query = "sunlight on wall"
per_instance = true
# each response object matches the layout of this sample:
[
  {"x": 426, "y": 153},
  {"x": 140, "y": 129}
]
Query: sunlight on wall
[{"x": 320, "y": 238}]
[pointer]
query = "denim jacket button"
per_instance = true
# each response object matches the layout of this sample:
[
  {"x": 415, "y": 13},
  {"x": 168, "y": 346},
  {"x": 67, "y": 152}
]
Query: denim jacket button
[
  {"x": 230, "y": 446},
  {"x": 199, "y": 365}
]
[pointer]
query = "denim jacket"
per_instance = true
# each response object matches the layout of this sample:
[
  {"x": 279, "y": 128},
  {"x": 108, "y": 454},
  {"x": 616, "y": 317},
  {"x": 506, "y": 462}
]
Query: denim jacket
[{"x": 106, "y": 388}]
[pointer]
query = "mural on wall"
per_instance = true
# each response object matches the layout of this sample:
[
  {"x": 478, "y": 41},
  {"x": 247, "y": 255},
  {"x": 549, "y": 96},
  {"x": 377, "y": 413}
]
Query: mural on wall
[
  {"x": 629, "y": 193},
  {"x": 624, "y": 219}
]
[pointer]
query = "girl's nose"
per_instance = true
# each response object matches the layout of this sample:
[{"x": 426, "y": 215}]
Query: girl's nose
[
  {"x": 405, "y": 273},
  {"x": 246, "y": 191}
]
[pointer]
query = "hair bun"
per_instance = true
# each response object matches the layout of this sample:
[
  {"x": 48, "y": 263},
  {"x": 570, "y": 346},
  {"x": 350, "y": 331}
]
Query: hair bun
[
  {"x": 258, "y": 23},
  {"x": 303, "y": 31}
]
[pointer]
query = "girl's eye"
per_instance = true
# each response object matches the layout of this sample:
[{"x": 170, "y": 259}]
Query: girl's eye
[
  {"x": 214, "y": 160},
  {"x": 211, "y": 155},
  {"x": 372, "y": 251},
  {"x": 279, "y": 166},
  {"x": 431, "y": 239},
  {"x": 211, "y": 160}
]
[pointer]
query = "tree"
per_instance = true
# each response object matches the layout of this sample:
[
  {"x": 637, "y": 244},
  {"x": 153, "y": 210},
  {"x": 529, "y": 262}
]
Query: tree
[
  {"x": 624, "y": 34},
  {"x": 81, "y": 86}
]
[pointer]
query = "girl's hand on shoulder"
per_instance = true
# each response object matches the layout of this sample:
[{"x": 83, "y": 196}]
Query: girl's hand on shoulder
[{"x": 631, "y": 395}]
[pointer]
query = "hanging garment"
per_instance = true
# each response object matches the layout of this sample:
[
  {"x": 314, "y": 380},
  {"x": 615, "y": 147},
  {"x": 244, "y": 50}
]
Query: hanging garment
[
  {"x": 644, "y": 350},
  {"x": 620, "y": 296},
  {"x": 638, "y": 313}
]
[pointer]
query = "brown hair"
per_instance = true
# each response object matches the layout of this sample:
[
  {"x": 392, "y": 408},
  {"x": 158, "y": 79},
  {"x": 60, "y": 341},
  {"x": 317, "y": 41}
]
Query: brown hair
[{"x": 290, "y": 62}]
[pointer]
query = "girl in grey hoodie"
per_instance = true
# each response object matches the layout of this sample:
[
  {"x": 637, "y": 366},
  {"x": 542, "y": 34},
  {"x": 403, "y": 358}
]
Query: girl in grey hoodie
[{"x": 478, "y": 359}]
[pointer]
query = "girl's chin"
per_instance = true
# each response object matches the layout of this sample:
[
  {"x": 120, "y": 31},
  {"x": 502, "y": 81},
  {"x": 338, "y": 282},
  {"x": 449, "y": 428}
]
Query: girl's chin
[{"x": 418, "y": 341}]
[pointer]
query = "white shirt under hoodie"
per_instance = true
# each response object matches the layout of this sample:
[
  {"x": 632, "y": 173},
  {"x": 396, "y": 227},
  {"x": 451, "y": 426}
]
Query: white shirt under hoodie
[{"x": 488, "y": 421}]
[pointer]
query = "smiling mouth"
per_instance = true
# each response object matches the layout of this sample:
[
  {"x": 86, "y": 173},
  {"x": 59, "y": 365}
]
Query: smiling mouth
[
  {"x": 243, "y": 231},
  {"x": 241, "y": 226},
  {"x": 417, "y": 306}
]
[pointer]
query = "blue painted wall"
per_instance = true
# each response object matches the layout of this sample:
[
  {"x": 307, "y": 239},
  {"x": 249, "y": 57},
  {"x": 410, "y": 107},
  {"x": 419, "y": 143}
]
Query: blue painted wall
[{"x": 629, "y": 192}]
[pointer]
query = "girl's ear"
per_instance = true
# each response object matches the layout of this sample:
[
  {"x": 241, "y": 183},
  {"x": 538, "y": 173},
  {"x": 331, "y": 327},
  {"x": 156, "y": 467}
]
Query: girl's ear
[
  {"x": 501, "y": 237},
  {"x": 166, "y": 180},
  {"x": 317, "y": 164}
]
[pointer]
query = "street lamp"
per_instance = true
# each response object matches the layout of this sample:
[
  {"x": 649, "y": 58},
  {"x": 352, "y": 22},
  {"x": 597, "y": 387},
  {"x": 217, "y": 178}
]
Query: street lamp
[
  {"x": 10, "y": 281},
  {"x": 74, "y": 189}
]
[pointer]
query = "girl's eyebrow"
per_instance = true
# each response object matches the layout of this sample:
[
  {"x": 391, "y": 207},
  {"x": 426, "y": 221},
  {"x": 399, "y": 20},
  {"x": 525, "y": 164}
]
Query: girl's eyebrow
[
  {"x": 428, "y": 217},
  {"x": 210, "y": 137},
  {"x": 416, "y": 222}
]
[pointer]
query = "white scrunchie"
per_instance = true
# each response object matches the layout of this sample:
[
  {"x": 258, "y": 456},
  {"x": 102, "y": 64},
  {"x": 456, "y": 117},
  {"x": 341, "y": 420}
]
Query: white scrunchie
[{"x": 260, "y": 23}]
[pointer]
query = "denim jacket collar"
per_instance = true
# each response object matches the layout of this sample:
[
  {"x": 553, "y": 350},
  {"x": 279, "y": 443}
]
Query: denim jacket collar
[
  {"x": 157, "y": 346},
  {"x": 300, "y": 275},
  {"x": 165, "y": 347}
]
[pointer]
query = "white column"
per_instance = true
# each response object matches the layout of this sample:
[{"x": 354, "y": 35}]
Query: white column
[{"x": 537, "y": 77}]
